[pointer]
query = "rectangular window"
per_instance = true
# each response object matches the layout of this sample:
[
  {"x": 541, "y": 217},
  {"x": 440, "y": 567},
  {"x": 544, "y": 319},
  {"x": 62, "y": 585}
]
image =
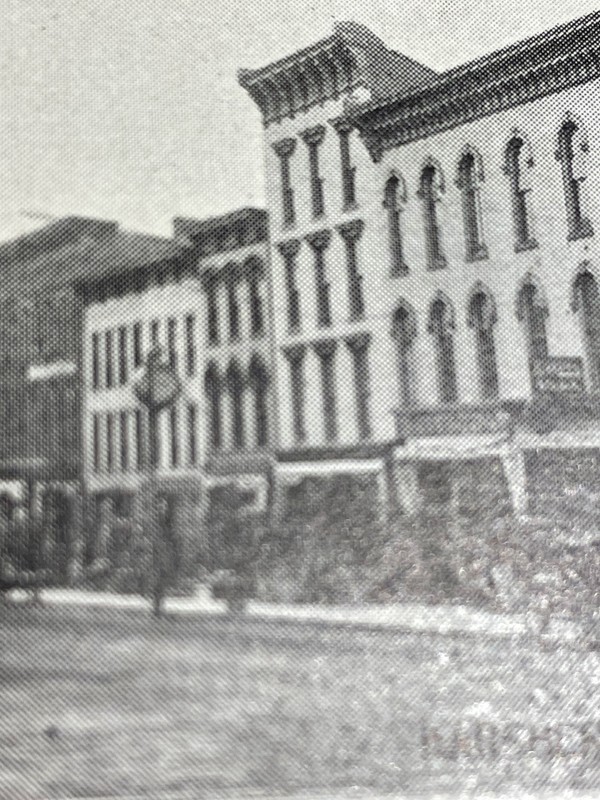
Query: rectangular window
[
  {"x": 172, "y": 342},
  {"x": 192, "y": 424},
  {"x": 234, "y": 311},
  {"x": 322, "y": 289},
  {"x": 348, "y": 171},
  {"x": 326, "y": 353},
  {"x": 213, "y": 315},
  {"x": 174, "y": 437},
  {"x": 297, "y": 388},
  {"x": 123, "y": 355},
  {"x": 190, "y": 344},
  {"x": 124, "y": 440},
  {"x": 313, "y": 138},
  {"x": 284, "y": 150},
  {"x": 110, "y": 442},
  {"x": 137, "y": 345},
  {"x": 96, "y": 443},
  {"x": 139, "y": 439},
  {"x": 95, "y": 361},
  {"x": 360, "y": 364},
  {"x": 108, "y": 364},
  {"x": 154, "y": 333}
]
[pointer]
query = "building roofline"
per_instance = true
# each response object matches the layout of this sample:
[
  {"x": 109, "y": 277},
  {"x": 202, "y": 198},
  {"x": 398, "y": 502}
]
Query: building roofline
[{"x": 533, "y": 67}]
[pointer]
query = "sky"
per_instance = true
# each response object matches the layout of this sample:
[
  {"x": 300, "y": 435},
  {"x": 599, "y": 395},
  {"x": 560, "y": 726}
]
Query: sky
[{"x": 130, "y": 110}]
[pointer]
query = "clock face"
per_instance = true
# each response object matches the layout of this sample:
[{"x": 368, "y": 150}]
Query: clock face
[{"x": 158, "y": 386}]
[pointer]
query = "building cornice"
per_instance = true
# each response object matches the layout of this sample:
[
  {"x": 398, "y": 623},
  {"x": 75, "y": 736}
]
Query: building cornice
[{"x": 514, "y": 76}]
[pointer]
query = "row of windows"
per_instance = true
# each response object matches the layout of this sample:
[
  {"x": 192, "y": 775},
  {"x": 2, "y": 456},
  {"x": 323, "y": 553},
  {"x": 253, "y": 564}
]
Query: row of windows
[
  {"x": 326, "y": 353},
  {"x": 232, "y": 385},
  {"x": 319, "y": 242},
  {"x": 218, "y": 287},
  {"x": 518, "y": 162},
  {"x": 313, "y": 138},
  {"x": 119, "y": 439},
  {"x": 117, "y": 352}
]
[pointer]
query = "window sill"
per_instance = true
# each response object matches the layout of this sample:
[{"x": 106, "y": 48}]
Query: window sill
[{"x": 529, "y": 244}]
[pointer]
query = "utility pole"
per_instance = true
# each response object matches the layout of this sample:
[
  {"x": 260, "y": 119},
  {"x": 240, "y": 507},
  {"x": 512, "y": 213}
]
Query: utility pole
[{"x": 157, "y": 389}]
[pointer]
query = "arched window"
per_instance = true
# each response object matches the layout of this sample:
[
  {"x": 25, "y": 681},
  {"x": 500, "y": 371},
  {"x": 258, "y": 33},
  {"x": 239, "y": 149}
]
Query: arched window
[
  {"x": 394, "y": 196},
  {"x": 532, "y": 311},
  {"x": 259, "y": 381},
  {"x": 587, "y": 301},
  {"x": 518, "y": 162},
  {"x": 404, "y": 331},
  {"x": 235, "y": 387},
  {"x": 572, "y": 148},
  {"x": 441, "y": 326},
  {"x": 468, "y": 181},
  {"x": 482, "y": 317},
  {"x": 430, "y": 190},
  {"x": 212, "y": 388}
]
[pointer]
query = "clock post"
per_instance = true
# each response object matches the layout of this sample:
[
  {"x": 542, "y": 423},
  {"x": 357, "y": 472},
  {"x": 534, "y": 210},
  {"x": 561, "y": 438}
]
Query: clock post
[{"x": 157, "y": 389}]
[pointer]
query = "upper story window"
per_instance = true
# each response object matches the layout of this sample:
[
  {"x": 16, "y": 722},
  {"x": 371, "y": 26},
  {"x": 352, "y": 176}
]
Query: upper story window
[
  {"x": 441, "y": 326},
  {"x": 289, "y": 250},
  {"x": 518, "y": 164},
  {"x": 284, "y": 150},
  {"x": 469, "y": 179},
  {"x": 343, "y": 128},
  {"x": 482, "y": 318},
  {"x": 138, "y": 357},
  {"x": 259, "y": 383},
  {"x": 351, "y": 233},
  {"x": 325, "y": 351},
  {"x": 155, "y": 333},
  {"x": 232, "y": 305},
  {"x": 572, "y": 151},
  {"x": 124, "y": 440},
  {"x": 172, "y": 342},
  {"x": 431, "y": 189},
  {"x": 532, "y": 311},
  {"x": 95, "y": 360},
  {"x": 404, "y": 332},
  {"x": 212, "y": 389},
  {"x": 319, "y": 243},
  {"x": 586, "y": 299},
  {"x": 295, "y": 356},
  {"x": 210, "y": 286},
  {"x": 235, "y": 386},
  {"x": 192, "y": 434},
  {"x": 313, "y": 138},
  {"x": 394, "y": 197},
  {"x": 190, "y": 344},
  {"x": 257, "y": 322},
  {"x": 123, "y": 361},
  {"x": 109, "y": 367},
  {"x": 359, "y": 350}
]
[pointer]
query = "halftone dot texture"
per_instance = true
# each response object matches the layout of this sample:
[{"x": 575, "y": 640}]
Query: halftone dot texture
[{"x": 346, "y": 449}]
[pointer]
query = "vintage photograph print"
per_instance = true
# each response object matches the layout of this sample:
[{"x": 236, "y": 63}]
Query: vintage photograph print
[{"x": 299, "y": 400}]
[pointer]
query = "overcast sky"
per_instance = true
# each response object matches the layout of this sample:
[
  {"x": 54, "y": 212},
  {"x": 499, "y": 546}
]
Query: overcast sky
[{"x": 131, "y": 110}]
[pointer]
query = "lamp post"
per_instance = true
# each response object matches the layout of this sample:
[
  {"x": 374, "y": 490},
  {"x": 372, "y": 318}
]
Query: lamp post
[{"x": 157, "y": 389}]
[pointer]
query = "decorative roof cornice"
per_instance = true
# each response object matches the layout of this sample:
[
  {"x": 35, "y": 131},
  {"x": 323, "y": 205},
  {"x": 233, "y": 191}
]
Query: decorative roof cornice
[
  {"x": 336, "y": 66},
  {"x": 543, "y": 65}
]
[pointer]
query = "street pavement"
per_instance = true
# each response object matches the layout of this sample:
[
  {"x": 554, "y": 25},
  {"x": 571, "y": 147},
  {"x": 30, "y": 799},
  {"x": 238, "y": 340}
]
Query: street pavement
[{"x": 439, "y": 619}]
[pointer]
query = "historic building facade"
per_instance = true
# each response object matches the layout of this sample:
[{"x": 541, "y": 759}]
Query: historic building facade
[
  {"x": 205, "y": 304},
  {"x": 434, "y": 269}
]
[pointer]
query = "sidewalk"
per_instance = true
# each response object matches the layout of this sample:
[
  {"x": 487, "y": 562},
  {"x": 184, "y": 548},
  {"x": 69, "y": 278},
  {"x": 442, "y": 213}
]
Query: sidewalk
[{"x": 442, "y": 620}]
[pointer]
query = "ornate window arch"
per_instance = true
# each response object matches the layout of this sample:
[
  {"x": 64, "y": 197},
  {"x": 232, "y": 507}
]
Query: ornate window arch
[
  {"x": 481, "y": 317},
  {"x": 404, "y": 333},
  {"x": 431, "y": 188},
  {"x": 469, "y": 177},
  {"x": 572, "y": 154},
  {"x": 586, "y": 301},
  {"x": 441, "y": 324},
  {"x": 518, "y": 163},
  {"x": 394, "y": 197}
]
